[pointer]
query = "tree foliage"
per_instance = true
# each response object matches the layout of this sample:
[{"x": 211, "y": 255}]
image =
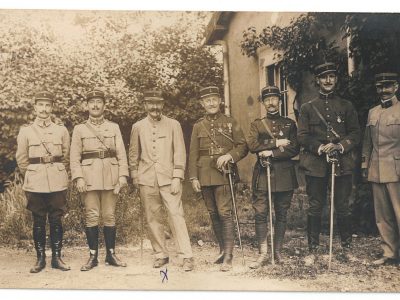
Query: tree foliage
[{"x": 70, "y": 53}]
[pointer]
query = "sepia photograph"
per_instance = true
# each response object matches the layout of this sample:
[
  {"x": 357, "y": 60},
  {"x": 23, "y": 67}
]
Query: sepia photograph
[{"x": 199, "y": 150}]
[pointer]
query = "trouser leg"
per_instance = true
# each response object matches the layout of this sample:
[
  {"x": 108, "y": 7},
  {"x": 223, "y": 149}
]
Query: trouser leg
[
  {"x": 151, "y": 199},
  {"x": 387, "y": 215},
  {"x": 176, "y": 220},
  {"x": 316, "y": 188},
  {"x": 343, "y": 187},
  {"x": 211, "y": 205},
  {"x": 282, "y": 202},
  {"x": 260, "y": 206}
]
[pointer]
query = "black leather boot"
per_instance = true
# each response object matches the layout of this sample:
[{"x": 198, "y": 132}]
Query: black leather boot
[
  {"x": 229, "y": 240},
  {"x": 92, "y": 236},
  {"x": 109, "y": 237},
  {"x": 313, "y": 230},
  {"x": 56, "y": 236},
  {"x": 279, "y": 236},
  {"x": 39, "y": 238},
  {"x": 261, "y": 235},
  {"x": 217, "y": 227},
  {"x": 345, "y": 230}
]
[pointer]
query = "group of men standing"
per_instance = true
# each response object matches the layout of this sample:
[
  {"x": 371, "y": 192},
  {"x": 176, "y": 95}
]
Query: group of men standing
[{"x": 328, "y": 132}]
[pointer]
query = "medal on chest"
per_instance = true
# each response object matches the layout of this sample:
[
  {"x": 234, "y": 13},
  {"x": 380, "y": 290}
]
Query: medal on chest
[
  {"x": 280, "y": 132},
  {"x": 339, "y": 119}
]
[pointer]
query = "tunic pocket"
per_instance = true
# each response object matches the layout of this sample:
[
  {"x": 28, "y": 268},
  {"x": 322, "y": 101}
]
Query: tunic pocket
[
  {"x": 397, "y": 163},
  {"x": 87, "y": 171}
]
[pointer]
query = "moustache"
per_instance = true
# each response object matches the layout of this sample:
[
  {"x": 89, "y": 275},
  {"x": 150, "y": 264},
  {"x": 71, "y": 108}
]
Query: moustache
[{"x": 155, "y": 110}]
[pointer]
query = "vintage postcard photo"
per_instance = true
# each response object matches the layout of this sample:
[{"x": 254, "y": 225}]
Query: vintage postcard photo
[{"x": 199, "y": 150}]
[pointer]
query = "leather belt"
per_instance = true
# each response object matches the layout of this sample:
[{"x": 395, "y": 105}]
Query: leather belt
[
  {"x": 45, "y": 159},
  {"x": 213, "y": 151},
  {"x": 99, "y": 154}
]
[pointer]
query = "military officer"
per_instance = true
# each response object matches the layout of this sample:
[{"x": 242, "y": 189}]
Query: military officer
[
  {"x": 99, "y": 169},
  {"x": 381, "y": 164},
  {"x": 328, "y": 127},
  {"x": 42, "y": 157},
  {"x": 216, "y": 140},
  {"x": 157, "y": 160},
  {"x": 272, "y": 138}
]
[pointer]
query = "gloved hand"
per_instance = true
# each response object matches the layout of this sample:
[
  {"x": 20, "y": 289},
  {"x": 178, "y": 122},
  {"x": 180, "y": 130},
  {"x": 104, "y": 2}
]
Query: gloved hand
[
  {"x": 223, "y": 160},
  {"x": 81, "y": 185},
  {"x": 196, "y": 185},
  {"x": 282, "y": 142},
  {"x": 265, "y": 153}
]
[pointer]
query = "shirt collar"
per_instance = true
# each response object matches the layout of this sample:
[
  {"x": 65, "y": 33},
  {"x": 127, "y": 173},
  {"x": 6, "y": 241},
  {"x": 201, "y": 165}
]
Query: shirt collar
[
  {"x": 43, "y": 122},
  {"x": 326, "y": 96},
  {"x": 214, "y": 116},
  {"x": 273, "y": 115},
  {"x": 151, "y": 120},
  {"x": 96, "y": 121}
]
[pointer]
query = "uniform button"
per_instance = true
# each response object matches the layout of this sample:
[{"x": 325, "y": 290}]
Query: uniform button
[
  {"x": 327, "y": 116},
  {"x": 154, "y": 133},
  {"x": 273, "y": 122},
  {"x": 327, "y": 108},
  {"x": 154, "y": 140}
]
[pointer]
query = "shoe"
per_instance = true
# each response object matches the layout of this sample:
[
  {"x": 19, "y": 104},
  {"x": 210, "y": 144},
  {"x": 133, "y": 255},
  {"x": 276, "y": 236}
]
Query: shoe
[
  {"x": 188, "y": 264},
  {"x": 262, "y": 258},
  {"x": 92, "y": 236},
  {"x": 159, "y": 262},
  {"x": 385, "y": 261},
  {"x": 91, "y": 263},
  {"x": 227, "y": 263},
  {"x": 220, "y": 258},
  {"x": 109, "y": 238}
]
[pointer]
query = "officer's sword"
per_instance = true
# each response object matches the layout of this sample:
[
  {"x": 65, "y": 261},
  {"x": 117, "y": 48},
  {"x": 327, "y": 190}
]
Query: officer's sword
[
  {"x": 333, "y": 160},
  {"x": 268, "y": 165},
  {"x": 235, "y": 209}
]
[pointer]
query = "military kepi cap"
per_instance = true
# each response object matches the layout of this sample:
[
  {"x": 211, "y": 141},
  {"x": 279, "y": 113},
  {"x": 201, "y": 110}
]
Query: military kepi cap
[
  {"x": 386, "y": 77},
  {"x": 270, "y": 91},
  {"x": 325, "y": 68},
  {"x": 95, "y": 94},
  {"x": 44, "y": 95},
  {"x": 209, "y": 91},
  {"x": 153, "y": 95}
]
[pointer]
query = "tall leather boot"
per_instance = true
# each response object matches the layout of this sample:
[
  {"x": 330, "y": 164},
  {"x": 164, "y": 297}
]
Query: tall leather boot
[
  {"x": 39, "y": 238},
  {"x": 313, "y": 230},
  {"x": 229, "y": 240},
  {"x": 217, "y": 227},
  {"x": 109, "y": 238},
  {"x": 261, "y": 234},
  {"x": 279, "y": 235},
  {"x": 56, "y": 236},
  {"x": 92, "y": 236}
]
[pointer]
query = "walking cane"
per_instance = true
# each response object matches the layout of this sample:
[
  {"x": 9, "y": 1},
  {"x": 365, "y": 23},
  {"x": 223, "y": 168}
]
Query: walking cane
[
  {"x": 141, "y": 223},
  {"x": 268, "y": 165},
  {"x": 229, "y": 171},
  {"x": 333, "y": 160}
]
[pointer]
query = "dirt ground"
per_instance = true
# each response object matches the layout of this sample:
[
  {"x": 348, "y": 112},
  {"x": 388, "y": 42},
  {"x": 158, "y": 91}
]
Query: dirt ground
[{"x": 292, "y": 275}]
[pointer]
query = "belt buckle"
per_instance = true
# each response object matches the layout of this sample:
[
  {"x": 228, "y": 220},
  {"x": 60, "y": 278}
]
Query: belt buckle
[
  {"x": 47, "y": 159},
  {"x": 102, "y": 154},
  {"x": 216, "y": 151}
]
